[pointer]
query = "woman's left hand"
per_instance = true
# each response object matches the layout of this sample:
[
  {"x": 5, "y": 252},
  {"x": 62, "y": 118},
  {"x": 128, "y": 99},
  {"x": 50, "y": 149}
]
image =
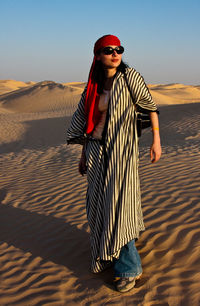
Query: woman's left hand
[{"x": 155, "y": 151}]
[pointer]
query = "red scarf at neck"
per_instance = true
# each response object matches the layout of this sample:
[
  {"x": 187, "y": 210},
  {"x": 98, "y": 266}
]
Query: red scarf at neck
[{"x": 92, "y": 113}]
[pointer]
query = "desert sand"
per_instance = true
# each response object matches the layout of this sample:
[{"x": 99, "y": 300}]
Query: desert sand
[{"x": 44, "y": 235}]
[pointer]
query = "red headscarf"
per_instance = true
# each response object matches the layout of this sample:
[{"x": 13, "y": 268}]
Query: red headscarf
[{"x": 92, "y": 98}]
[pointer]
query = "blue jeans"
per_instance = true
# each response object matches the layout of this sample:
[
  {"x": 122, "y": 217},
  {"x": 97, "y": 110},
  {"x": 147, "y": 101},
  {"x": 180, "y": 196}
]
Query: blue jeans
[{"x": 129, "y": 263}]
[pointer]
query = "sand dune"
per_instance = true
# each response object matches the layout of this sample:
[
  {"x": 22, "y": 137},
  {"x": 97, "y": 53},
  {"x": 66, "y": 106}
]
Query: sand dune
[
  {"x": 175, "y": 94},
  {"x": 11, "y": 85},
  {"x": 44, "y": 235},
  {"x": 51, "y": 96},
  {"x": 80, "y": 85},
  {"x": 41, "y": 97}
]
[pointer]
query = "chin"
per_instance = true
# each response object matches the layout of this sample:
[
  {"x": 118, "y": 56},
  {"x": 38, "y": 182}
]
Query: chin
[{"x": 113, "y": 65}]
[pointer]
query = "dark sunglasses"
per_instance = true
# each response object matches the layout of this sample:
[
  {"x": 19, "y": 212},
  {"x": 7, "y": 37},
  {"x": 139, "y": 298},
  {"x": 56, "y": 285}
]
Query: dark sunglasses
[{"x": 110, "y": 50}]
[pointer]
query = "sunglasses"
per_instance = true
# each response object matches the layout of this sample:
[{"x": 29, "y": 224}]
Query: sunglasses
[{"x": 110, "y": 50}]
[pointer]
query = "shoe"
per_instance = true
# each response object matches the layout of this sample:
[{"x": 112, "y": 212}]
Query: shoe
[{"x": 125, "y": 284}]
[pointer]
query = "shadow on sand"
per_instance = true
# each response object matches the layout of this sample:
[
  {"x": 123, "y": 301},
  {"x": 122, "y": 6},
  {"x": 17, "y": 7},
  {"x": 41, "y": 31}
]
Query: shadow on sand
[{"x": 51, "y": 239}]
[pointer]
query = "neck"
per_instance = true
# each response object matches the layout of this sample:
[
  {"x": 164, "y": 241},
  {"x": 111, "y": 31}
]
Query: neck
[{"x": 109, "y": 73}]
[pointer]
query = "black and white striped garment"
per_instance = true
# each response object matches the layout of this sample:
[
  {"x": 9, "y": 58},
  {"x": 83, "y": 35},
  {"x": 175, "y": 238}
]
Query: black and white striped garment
[{"x": 113, "y": 201}]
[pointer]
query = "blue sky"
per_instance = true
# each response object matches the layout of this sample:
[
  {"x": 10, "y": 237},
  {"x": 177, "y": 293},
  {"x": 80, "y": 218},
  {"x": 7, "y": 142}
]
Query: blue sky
[{"x": 53, "y": 39}]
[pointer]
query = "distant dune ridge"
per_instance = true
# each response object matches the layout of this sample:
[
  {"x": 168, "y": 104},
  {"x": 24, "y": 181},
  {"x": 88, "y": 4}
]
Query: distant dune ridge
[
  {"x": 26, "y": 97},
  {"x": 44, "y": 235},
  {"x": 52, "y": 95},
  {"x": 10, "y": 85},
  {"x": 175, "y": 94}
]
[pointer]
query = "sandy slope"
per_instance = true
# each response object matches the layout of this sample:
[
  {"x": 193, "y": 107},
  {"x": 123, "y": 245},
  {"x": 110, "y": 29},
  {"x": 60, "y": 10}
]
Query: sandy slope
[
  {"x": 175, "y": 94},
  {"x": 11, "y": 85},
  {"x": 44, "y": 236},
  {"x": 41, "y": 97}
]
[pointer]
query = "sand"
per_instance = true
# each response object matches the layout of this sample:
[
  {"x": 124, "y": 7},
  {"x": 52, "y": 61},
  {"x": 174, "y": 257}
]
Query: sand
[{"x": 44, "y": 235}]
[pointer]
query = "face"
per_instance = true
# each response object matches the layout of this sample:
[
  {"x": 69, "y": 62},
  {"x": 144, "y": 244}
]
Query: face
[{"x": 110, "y": 61}]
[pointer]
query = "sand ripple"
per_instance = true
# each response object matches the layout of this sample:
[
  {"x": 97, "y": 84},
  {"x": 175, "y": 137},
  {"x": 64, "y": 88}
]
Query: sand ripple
[{"x": 44, "y": 235}]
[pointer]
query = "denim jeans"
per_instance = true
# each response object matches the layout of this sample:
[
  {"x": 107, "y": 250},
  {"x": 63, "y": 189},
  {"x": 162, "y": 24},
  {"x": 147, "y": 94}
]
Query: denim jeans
[{"x": 129, "y": 263}]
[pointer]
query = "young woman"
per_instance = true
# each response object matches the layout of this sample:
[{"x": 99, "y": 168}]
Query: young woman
[{"x": 106, "y": 115}]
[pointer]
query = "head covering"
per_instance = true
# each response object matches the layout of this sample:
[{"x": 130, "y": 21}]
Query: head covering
[
  {"x": 92, "y": 97},
  {"x": 106, "y": 40}
]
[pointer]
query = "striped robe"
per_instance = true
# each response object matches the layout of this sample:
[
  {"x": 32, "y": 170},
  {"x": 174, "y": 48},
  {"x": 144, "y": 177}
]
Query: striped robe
[{"x": 113, "y": 200}]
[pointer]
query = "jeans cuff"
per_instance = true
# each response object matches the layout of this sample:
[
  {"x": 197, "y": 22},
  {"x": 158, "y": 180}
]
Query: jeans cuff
[{"x": 128, "y": 274}]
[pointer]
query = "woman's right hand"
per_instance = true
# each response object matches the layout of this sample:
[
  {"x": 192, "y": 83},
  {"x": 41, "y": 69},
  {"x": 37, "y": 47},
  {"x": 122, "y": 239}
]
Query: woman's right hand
[{"x": 82, "y": 168}]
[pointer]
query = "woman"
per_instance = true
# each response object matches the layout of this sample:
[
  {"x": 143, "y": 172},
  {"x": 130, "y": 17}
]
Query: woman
[{"x": 107, "y": 116}]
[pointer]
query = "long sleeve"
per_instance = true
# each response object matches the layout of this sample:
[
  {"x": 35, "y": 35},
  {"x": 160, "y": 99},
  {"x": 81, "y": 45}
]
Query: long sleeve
[
  {"x": 77, "y": 126},
  {"x": 140, "y": 91}
]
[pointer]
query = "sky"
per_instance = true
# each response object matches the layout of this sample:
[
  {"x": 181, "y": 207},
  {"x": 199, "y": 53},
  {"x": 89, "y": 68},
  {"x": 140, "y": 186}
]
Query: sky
[{"x": 54, "y": 39}]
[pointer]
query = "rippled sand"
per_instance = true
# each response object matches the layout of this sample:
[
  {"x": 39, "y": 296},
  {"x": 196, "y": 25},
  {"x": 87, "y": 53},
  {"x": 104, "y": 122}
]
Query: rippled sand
[{"x": 44, "y": 235}]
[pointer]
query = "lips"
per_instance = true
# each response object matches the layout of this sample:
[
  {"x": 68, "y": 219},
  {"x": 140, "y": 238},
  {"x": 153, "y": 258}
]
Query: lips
[{"x": 115, "y": 60}]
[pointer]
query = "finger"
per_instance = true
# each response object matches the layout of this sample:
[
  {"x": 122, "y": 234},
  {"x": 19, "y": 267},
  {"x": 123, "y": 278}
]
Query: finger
[
  {"x": 151, "y": 154},
  {"x": 80, "y": 170},
  {"x": 156, "y": 156}
]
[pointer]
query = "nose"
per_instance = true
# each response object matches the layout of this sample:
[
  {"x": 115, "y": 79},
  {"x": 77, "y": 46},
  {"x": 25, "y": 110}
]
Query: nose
[{"x": 114, "y": 53}]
